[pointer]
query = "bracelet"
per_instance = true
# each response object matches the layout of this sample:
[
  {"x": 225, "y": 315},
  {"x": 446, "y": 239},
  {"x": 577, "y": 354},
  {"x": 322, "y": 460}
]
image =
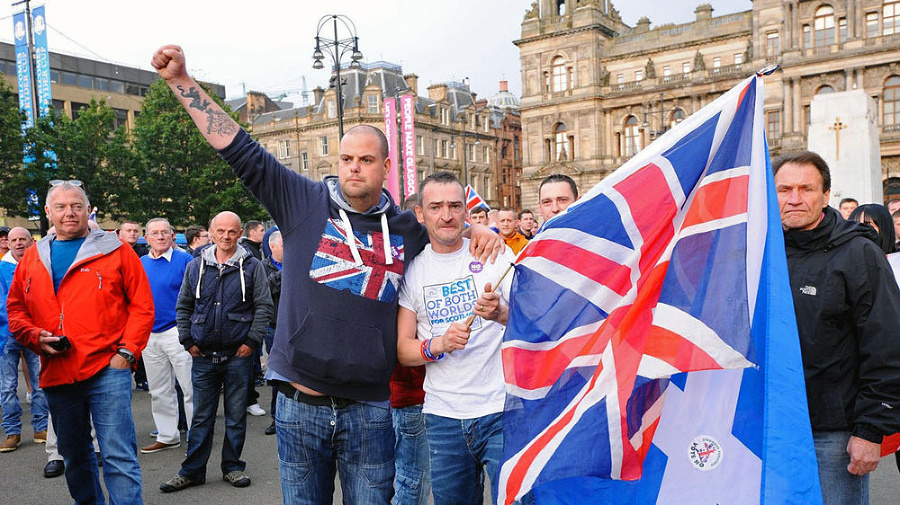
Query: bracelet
[{"x": 425, "y": 349}]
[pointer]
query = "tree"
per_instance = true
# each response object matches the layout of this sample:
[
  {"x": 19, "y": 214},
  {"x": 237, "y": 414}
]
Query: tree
[
  {"x": 180, "y": 176},
  {"x": 11, "y": 151}
]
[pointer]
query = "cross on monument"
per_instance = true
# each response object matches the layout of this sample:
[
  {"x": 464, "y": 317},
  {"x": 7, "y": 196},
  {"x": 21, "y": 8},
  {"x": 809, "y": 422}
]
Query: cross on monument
[{"x": 837, "y": 127}]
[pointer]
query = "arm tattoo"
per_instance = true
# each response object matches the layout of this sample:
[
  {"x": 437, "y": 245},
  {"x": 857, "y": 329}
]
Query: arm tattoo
[{"x": 217, "y": 121}]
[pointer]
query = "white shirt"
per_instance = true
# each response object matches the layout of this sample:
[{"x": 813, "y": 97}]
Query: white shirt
[{"x": 442, "y": 289}]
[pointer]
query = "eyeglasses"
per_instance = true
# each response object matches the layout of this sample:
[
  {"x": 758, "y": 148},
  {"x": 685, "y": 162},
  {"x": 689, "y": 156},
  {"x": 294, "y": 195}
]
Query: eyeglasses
[
  {"x": 73, "y": 182},
  {"x": 159, "y": 233}
]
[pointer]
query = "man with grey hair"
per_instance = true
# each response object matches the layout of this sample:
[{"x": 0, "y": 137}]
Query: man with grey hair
[
  {"x": 273, "y": 264},
  {"x": 81, "y": 299},
  {"x": 165, "y": 359},
  {"x": 223, "y": 310}
]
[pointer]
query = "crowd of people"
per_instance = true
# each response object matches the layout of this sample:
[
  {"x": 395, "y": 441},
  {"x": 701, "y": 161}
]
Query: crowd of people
[{"x": 382, "y": 327}]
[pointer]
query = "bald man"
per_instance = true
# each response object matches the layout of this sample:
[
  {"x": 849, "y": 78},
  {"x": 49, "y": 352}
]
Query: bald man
[{"x": 222, "y": 313}]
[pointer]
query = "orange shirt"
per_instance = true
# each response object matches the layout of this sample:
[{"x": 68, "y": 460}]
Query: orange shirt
[{"x": 516, "y": 242}]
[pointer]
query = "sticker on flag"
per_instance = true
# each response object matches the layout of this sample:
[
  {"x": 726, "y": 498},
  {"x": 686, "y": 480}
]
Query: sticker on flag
[{"x": 637, "y": 357}]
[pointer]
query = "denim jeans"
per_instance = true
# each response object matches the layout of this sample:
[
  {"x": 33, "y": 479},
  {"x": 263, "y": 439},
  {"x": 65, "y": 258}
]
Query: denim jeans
[
  {"x": 460, "y": 450},
  {"x": 208, "y": 379},
  {"x": 9, "y": 384},
  {"x": 412, "y": 483},
  {"x": 105, "y": 398},
  {"x": 839, "y": 487},
  {"x": 311, "y": 439}
]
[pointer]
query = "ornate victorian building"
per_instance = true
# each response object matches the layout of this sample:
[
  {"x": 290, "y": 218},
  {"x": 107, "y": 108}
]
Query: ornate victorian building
[{"x": 595, "y": 90}]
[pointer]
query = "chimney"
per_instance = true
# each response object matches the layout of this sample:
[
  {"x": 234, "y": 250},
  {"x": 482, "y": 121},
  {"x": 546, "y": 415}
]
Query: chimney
[
  {"x": 703, "y": 11},
  {"x": 504, "y": 85},
  {"x": 643, "y": 24},
  {"x": 412, "y": 82},
  {"x": 318, "y": 95},
  {"x": 437, "y": 92}
]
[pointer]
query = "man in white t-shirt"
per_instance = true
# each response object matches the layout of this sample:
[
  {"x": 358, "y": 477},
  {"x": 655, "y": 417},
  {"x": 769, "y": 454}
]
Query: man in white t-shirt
[{"x": 464, "y": 390}]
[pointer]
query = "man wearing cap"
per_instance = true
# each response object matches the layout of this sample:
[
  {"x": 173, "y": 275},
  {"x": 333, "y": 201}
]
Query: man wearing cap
[{"x": 4, "y": 240}]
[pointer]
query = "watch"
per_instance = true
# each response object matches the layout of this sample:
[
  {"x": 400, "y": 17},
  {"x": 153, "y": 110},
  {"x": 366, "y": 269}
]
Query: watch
[{"x": 125, "y": 353}]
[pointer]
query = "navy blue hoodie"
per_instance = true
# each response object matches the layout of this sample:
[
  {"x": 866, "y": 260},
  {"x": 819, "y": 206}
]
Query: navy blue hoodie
[{"x": 337, "y": 324}]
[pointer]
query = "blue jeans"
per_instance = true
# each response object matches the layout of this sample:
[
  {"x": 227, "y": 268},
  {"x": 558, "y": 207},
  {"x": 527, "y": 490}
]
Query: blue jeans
[
  {"x": 839, "y": 487},
  {"x": 311, "y": 439},
  {"x": 460, "y": 450},
  {"x": 412, "y": 483},
  {"x": 208, "y": 379},
  {"x": 105, "y": 398},
  {"x": 9, "y": 384}
]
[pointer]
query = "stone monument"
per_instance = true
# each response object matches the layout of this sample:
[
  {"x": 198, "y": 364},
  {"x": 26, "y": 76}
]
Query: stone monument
[{"x": 842, "y": 130}]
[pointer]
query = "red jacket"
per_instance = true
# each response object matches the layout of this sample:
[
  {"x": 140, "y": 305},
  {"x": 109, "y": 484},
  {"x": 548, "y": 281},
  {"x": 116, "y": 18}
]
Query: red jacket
[{"x": 103, "y": 303}]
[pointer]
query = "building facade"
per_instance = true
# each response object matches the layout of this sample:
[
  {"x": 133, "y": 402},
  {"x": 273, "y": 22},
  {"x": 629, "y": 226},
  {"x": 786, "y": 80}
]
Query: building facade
[
  {"x": 595, "y": 91},
  {"x": 455, "y": 131}
]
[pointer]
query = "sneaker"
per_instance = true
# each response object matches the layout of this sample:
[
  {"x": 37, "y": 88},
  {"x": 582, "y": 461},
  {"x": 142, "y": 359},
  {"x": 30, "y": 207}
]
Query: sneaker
[
  {"x": 28, "y": 397},
  {"x": 271, "y": 429},
  {"x": 177, "y": 483},
  {"x": 255, "y": 410},
  {"x": 11, "y": 443},
  {"x": 54, "y": 468},
  {"x": 158, "y": 446},
  {"x": 237, "y": 478},
  {"x": 40, "y": 437},
  {"x": 154, "y": 433},
  {"x": 142, "y": 386}
]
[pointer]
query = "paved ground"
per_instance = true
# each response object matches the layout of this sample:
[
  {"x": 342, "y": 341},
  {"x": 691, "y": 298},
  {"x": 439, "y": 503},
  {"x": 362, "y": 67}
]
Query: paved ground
[{"x": 23, "y": 482}]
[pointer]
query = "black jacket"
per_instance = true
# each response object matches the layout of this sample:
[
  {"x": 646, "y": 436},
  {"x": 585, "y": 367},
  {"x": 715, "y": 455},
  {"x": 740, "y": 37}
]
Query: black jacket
[
  {"x": 273, "y": 276},
  {"x": 847, "y": 302}
]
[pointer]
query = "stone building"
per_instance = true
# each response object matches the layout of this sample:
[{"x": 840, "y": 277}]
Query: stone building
[
  {"x": 595, "y": 90},
  {"x": 455, "y": 131}
]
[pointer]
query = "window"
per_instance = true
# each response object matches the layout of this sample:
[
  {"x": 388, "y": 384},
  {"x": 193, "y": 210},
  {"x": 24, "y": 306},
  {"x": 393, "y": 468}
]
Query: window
[
  {"x": 487, "y": 187},
  {"x": 638, "y": 75},
  {"x": 372, "y": 104},
  {"x": 871, "y": 24},
  {"x": 304, "y": 160},
  {"x": 486, "y": 154},
  {"x": 559, "y": 143},
  {"x": 561, "y": 7},
  {"x": 773, "y": 125},
  {"x": 558, "y": 68},
  {"x": 323, "y": 146},
  {"x": 85, "y": 81},
  {"x": 891, "y": 18},
  {"x": 667, "y": 73},
  {"x": 121, "y": 118},
  {"x": 773, "y": 47},
  {"x": 420, "y": 145},
  {"x": 69, "y": 78},
  {"x": 445, "y": 116},
  {"x": 842, "y": 29},
  {"x": 676, "y": 117},
  {"x": 546, "y": 82},
  {"x": 632, "y": 137},
  {"x": 332, "y": 111},
  {"x": 824, "y": 26},
  {"x": 824, "y": 90},
  {"x": 470, "y": 152},
  {"x": 738, "y": 59},
  {"x": 101, "y": 84},
  {"x": 284, "y": 149},
  {"x": 486, "y": 124},
  {"x": 620, "y": 79},
  {"x": 892, "y": 101},
  {"x": 717, "y": 63},
  {"x": 807, "y": 42},
  {"x": 117, "y": 86},
  {"x": 686, "y": 67},
  {"x": 445, "y": 149}
]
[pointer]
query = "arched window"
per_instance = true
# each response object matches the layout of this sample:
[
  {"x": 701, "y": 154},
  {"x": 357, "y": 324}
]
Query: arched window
[
  {"x": 676, "y": 117},
  {"x": 633, "y": 142},
  {"x": 824, "y": 90},
  {"x": 559, "y": 143},
  {"x": 560, "y": 81},
  {"x": 823, "y": 26},
  {"x": 892, "y": 101}
]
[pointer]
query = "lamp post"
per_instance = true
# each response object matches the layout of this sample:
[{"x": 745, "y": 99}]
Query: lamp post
[
  {"x": 664, "y": 127},
  {"x": 336, "y": 49}
]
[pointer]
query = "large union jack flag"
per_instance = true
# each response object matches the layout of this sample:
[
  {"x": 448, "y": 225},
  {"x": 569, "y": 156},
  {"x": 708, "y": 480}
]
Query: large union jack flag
[
  {"x": 654, "y": 272},
  {"x": 334, "y": 265}
]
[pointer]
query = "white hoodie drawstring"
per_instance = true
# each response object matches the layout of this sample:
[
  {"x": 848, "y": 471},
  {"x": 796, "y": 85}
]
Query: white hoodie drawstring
[
  {"x": 243, "y": 282},
  {"x": 200, "y": 277},
  {"x": 351, "y": 238},
  {"x": 385, "y": 233}
]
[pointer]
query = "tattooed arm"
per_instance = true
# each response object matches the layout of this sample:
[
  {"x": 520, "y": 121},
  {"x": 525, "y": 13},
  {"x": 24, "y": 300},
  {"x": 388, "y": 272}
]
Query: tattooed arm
[{"x": 214, "y": 123}]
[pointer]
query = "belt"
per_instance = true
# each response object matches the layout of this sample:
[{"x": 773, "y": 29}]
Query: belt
[{"x": 295, "y": 394}]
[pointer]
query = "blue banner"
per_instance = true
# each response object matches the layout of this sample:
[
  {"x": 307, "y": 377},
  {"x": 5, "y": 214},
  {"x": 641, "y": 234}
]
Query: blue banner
[
  {"x": 23, "y": 68},
  {"x": 42, "y": 61}
]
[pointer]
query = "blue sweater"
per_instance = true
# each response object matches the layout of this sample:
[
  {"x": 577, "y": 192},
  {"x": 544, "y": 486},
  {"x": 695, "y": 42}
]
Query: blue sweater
[
  {"x": 337, "y": 327},
  {"x": 165, "y": 282}
]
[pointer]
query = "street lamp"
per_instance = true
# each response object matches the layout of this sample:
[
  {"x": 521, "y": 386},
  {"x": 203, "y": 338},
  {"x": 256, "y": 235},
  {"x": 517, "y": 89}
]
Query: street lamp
[
  {"x": 336, "y": 48},
  {"x": 664, "y": 125}
]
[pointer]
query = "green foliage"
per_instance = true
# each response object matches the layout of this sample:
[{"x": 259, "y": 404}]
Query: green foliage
[{"x": 164, "y": 168}]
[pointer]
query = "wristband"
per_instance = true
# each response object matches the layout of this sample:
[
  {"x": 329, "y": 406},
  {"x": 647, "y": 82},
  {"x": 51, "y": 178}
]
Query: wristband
[{"x": 425, "y": 349}]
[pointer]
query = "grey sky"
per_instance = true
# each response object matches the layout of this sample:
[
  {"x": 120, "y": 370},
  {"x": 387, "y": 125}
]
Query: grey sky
[{"x": 268, "y": 46}]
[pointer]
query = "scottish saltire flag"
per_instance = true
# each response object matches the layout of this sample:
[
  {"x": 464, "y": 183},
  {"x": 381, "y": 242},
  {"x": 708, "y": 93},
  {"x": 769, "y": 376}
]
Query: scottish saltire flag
[
  {"x": 674, "y": 263},
  {"x": 473, "y": 199}
]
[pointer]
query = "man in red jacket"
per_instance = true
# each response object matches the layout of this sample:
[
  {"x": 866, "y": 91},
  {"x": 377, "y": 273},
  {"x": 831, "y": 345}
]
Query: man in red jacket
[{"x": 82, "y": 300}]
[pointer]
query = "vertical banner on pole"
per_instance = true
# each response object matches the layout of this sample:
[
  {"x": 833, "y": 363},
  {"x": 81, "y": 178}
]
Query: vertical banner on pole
[
  {"x": 42, "y": 61},
  {"x": 390, "y": 131},
  {"x": 23, "y": 68},
  {"x": 408, "y": 136}
]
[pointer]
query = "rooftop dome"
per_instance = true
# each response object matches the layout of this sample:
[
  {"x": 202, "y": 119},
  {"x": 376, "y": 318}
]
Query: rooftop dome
[{"x": 504, "y": 99}]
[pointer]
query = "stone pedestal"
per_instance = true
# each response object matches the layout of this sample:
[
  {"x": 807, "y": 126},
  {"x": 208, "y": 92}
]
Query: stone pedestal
[{"x": 842, "y": 130}]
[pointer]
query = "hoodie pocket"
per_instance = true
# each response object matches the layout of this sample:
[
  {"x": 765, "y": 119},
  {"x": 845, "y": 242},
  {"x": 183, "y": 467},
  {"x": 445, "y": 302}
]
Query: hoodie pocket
[
  {"x": 339, "y": 351},
  {"x": 237, "y": 324}
]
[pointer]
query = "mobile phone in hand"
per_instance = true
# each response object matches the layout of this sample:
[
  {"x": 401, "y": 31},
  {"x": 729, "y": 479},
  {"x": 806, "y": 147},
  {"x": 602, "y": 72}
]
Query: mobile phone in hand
[{"x": 62, "y": 344}]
